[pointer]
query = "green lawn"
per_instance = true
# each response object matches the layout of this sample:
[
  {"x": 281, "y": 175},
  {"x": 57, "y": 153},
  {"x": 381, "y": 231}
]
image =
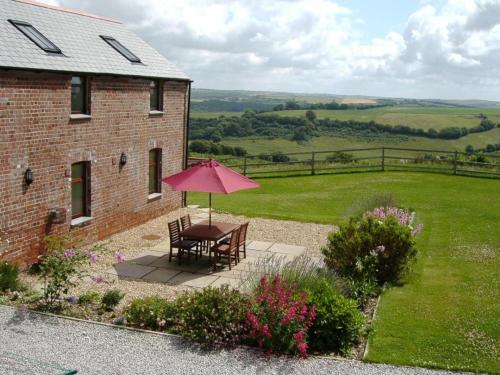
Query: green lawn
[
  {"x": 415, "y": 117},
  {"x": 447, "y": 314}
]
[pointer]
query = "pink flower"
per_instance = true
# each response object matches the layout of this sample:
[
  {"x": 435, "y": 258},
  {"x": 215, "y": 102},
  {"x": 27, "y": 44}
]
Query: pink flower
[
  {"x": 97, "y": 279},
  {"x": 302, "y": 348},
  {"x": 120, "y": 258},
  {"x": 265, "y": 331},
  {"x": 299, "y": 336},
  {"x": 69, "y": 254},
  {"x": 92, "y": 256}
]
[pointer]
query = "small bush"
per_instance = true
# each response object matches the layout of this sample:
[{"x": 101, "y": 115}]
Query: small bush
[
  {"x": 150, "y": 313},
  {"x": 212, "y": 316},
  {"x": 112, "y": 298},
  {"x": 359, "y": 290},
  {"x": 374, "y": 249},
  {"x": 9, "y": 277},
  {"x": 338, "y": 322},
  {"x": 279, "y": 319},
  {"x": 89, "y": 297}
]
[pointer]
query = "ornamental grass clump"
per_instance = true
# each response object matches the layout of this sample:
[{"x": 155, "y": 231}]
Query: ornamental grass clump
[
  {"x": 279, "y": 319},
  {"x": 377, "y": 248}
]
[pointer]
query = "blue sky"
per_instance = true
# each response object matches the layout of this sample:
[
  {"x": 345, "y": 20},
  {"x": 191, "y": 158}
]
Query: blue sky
[{"x": 446, "y": 49}]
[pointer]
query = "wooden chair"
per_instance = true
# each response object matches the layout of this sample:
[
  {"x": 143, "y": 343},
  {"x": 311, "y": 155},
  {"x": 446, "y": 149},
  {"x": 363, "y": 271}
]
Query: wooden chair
[
  {"x": 176, "y": 242},
  {"x": 229, "y": 250},
  {"x": 242, "y": 240},
  {"x": 186, "y": 222}
]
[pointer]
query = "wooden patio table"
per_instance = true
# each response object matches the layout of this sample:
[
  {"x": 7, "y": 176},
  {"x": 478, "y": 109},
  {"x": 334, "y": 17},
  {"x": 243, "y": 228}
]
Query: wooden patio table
[
  {"x": 209, "y": 233},
  {"x": 205, "y": 232}
]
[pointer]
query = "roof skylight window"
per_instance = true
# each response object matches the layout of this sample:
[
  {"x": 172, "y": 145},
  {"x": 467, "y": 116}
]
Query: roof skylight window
[
  {"x": 121, "y": 48},
  {"x": 35, "y": 36}
]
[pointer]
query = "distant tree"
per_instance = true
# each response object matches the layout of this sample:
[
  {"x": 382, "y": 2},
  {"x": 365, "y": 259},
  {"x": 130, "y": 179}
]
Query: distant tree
[
  {"x": 310, "y": 115},
  {"x": 279, "y": 107},
  {"x": 292, "y": 104},
  {"x": 239, "y": 151},
  {"x": 279, "y": 157},
  {"x": 490, "y": 148},
  {"x": 469, "y": 149},
  {"x": 201, "y": 147}
]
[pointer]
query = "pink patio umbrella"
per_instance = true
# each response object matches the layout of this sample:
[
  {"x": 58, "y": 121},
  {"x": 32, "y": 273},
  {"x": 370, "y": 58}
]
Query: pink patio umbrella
[{"x": 209, "y": 176}]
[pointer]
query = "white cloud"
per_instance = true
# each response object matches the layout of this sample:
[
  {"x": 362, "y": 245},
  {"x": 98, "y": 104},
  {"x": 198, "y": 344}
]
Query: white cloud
[{"x": 315, "y": 45}]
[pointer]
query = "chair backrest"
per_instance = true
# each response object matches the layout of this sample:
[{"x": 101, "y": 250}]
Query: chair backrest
[
  {"x": 243, "y": 233},
  {"x": 174, "y": 231},
  {"x": 233, "y": 241},
  {"x": 186, "y": 222}
]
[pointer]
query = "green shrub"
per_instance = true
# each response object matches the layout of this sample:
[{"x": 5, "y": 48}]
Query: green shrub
[
  {"x": 359, "y": 290},
  {"x": 371, "y": 249},
  {"x": 150, "y": 313},
  {"x": 212, "y": 316},
  {"x": 9, "y": 276},
  {"x": 338, "y": 324},
  {"x": 89, "y": 297},
  {"x": 112, "y": 298}
]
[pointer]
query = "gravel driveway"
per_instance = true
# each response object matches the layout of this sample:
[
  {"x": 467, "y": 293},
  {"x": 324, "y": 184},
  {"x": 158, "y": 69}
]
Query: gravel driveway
[{"x": 41, "y": 345}]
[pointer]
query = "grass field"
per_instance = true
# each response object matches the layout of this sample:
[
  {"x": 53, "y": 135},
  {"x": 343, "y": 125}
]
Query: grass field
[
  {"x": 415, "y": 117},
  {"x": 206, "y": 114},
  {"x": 447, "y": 314},
  {"x": 257, "y": 146}
]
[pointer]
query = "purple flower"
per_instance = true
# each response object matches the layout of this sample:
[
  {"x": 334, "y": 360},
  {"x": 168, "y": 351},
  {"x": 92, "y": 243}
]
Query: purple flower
[
  {"x": 120, "y": 258},
  {"x": 380, "y": 249},
  {"x": 97, "y": 279},
  {"x": 92, "y": 256},
  {"x": 72, "y": 299},
  {"x": 69, "y": 254}
]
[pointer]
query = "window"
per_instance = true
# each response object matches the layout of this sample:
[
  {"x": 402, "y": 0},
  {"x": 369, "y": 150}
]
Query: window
[
  {"x": 79, "y": 95},
  {"x": 156, "y": 96},
  {"x": 80, "y": 189},
  {"x": 36, "y": 36},
  {"x": 154, "y": 171},
  {"x": 121, "y": 48}
]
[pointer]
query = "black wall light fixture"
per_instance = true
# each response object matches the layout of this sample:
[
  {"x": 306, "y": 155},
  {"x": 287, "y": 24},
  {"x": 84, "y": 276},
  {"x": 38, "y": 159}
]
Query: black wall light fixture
[
  {"x": 123, "y": 159},
  {"x": 28, "y": 176}
]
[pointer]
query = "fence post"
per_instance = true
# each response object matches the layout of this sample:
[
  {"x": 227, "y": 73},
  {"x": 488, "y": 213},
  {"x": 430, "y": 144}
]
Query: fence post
[
  {"x": 383, "y": 158},
  {"x": 245, "y": 166},
  {"x": 455, "y": 161},
  {"x": 312, "y": 163}
]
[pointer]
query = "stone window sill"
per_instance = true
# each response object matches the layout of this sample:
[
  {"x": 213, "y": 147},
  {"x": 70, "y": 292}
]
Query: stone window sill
[
  {"x": 154, "y": 197},
  {"x": 79, "y": 116},
  {"x": 156, "y": 113},
  {"x": 79, "y": 221}
]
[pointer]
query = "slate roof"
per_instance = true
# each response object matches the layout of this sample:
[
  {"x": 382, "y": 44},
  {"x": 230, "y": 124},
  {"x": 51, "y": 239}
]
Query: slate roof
[{"x": 77, "y": 35}]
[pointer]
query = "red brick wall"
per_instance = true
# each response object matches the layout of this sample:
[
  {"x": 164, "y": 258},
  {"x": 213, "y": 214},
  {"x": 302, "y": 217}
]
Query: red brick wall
[{"x": 36, "y": 132}]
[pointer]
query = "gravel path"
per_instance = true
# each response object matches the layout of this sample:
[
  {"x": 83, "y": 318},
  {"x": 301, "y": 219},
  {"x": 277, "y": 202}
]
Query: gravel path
[{"x": 42, "y": 345}]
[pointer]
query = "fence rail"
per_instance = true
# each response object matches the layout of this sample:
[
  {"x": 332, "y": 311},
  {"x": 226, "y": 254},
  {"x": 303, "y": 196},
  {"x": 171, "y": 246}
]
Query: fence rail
[{"x": 360, "y": 159}]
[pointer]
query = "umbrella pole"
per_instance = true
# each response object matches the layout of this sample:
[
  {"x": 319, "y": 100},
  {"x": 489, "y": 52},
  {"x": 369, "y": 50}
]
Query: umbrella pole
[{"x": 209, "y": 210}]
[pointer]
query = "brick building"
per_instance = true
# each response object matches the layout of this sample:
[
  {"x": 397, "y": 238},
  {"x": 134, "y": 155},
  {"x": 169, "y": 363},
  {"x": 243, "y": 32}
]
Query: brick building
[{"x": 91, "y": 118}]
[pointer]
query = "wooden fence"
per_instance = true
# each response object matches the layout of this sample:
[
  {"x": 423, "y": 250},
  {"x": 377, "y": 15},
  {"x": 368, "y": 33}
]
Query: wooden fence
[{"x": 366, "y": 159}]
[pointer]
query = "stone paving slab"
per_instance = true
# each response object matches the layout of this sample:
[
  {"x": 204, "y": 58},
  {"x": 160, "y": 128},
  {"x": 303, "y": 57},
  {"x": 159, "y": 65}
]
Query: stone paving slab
[
  {"x": 193, "y": 279},
  {"x": 259, "y": 245},
  {"x": 147, "y": 257},
  {"x": 161, "y": 275},
  {"x": 130, "y": 270},
  {"x": 287, "y": 249}
]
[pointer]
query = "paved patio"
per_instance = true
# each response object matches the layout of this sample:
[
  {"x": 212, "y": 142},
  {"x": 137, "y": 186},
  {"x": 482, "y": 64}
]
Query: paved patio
[{"x": 153, "y": 266}]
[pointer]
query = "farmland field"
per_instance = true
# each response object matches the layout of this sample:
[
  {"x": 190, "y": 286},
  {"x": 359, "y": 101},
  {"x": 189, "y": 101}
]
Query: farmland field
[
  {"x": 447, "y": 313},
  {"x": 325, "y": 142},
  {"x": 415, "y": 117}
]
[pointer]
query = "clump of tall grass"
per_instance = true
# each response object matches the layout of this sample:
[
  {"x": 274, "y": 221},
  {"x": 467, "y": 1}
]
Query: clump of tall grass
[
  {"x": 383, "y": 199},
  {"x": 303, "y": 271}
]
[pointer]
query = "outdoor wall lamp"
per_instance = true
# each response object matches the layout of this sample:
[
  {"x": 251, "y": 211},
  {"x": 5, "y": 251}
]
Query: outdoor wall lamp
[
  {"x": 123, "y": 159},
  {"x": 28, "y": 176}
]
